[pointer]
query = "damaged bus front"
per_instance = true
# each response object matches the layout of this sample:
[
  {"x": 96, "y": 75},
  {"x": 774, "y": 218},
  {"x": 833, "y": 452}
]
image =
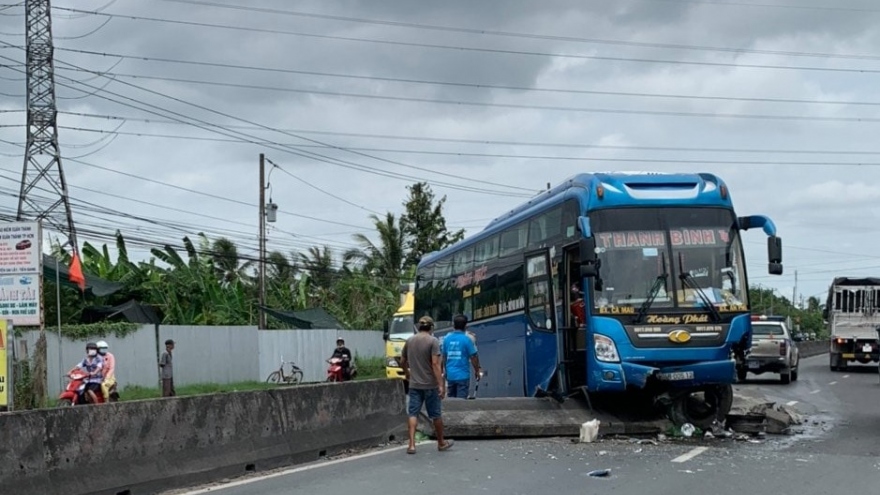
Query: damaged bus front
[{"x": 668, "y": 308}]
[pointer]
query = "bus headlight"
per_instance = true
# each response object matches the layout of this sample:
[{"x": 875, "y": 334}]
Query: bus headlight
[
  {"x": 605, "y": 349},
  {"x": 392, "y": 363}
]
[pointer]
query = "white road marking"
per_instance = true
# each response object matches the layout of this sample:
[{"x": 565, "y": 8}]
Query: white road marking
[
  {"x": 815, "y": 391},
  {"x": 791, "y": 403},
  {"x": 690, "y": 455},
  {"x": 308, "y": 467},
  {"x": 833, "y": 383},
  {"x": 846, "y": 376}
]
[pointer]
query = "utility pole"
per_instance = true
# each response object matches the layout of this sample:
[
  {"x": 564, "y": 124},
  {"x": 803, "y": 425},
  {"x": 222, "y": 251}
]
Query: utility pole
[
  {"x": 43, "y": 195},
  {"x": 794, "y": 291},
  {"x": 262, "y": 276}
]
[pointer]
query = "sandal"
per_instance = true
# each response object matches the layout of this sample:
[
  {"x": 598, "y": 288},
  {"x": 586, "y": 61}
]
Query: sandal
[
  {"x": 411, "y": 450},
  {"x": 446, "y": 446}
]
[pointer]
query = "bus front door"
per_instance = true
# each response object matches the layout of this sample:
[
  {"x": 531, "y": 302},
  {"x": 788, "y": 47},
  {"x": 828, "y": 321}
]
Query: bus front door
[{"x": 541, "y": 325}]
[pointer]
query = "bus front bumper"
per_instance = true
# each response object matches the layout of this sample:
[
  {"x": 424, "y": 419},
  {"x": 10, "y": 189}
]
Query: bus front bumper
[{"x": 620, "y": 376}]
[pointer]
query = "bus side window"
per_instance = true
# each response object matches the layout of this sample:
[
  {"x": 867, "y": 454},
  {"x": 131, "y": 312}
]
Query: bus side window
[
  {"x": 513, "y": 240},
  {"x": 424, "y": 290},
  {"x": 569, "y": 218},
  {"x": 545, "y": 228}
]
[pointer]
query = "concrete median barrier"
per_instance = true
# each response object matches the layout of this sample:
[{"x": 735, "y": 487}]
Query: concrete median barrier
[
  {"x": 143, "y": 447},
  {"x": 813, "y": 348}
]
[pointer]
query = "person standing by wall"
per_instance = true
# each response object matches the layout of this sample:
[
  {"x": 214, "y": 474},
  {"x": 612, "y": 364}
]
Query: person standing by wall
[
  {"x": 420, "y": 360},
  {"x": 166, "y": 370}
]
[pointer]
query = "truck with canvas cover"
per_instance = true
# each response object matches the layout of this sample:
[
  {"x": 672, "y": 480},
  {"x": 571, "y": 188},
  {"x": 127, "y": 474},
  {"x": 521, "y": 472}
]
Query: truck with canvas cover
[
  {"x": 606, "y": 284},
  {"x": 853, "y": 315}
]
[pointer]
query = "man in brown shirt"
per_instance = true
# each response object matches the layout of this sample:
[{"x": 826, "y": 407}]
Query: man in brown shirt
[{"x": 420, "y": 360}]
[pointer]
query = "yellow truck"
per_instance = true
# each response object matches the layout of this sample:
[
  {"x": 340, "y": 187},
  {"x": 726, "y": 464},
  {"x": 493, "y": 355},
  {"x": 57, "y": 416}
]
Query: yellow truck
[{"x": 397, "y": 330}]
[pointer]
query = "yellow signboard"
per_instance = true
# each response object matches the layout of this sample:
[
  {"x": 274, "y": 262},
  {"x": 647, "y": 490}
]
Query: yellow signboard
[{"x": 5, "y": 380}]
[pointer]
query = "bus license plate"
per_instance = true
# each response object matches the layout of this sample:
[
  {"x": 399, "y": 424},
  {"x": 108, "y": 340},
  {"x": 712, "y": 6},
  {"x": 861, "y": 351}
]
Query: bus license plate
[{"x": 677, "y": 375}]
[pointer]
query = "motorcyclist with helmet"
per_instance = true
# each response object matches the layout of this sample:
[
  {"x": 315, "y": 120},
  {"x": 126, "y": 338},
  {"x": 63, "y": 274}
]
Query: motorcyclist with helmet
[
  {"x": 109, "y": 371},
  {"x": 93, "y": 365},
  {"x": 344, "y": 354}
]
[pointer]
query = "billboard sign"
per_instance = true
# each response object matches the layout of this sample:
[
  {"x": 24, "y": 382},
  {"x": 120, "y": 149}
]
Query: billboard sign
[{"x": 21, "y": 280}]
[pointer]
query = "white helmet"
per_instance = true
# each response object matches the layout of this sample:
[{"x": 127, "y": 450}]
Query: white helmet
[{"x": 102, "y": 346}]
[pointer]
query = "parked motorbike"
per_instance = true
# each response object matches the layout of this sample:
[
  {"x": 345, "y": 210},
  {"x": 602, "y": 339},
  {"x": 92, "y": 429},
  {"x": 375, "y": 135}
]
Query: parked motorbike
[
  {"x": 335, "y": 373},
  {"x": 75, "y": 394}
]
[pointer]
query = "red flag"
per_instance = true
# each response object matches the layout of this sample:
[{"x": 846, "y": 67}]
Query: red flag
[{"x": 76, "y": 273}]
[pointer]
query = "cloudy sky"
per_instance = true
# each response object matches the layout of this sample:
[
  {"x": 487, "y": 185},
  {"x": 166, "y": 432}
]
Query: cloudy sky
[{"x": 165, "y": 106}]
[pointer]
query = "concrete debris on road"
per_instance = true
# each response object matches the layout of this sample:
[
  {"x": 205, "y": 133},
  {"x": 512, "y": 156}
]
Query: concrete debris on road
[{"x": 755, "y": 416}]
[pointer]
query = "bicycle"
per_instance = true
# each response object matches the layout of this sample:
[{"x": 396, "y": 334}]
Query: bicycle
[{"x": 279, "y": 376}]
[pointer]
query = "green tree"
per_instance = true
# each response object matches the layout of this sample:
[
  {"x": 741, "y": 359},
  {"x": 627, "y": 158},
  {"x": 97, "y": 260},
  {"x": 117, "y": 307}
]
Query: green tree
[
  {"x": 224, "y": 255},
  {"x": 190, "y": 293},
  {"x": 423, "y": 225},
  {"x": 317, "y": 262},
  {"x": 385, "y": 260}
]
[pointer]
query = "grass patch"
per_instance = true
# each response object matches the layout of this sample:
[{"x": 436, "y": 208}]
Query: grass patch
[
  {"x": 139, "y": 393},
  {"x": 370, "y": 368}
]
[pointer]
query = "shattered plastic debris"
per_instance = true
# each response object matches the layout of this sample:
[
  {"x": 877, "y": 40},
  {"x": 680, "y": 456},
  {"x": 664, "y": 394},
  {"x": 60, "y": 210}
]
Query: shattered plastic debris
[
  {"x": 589, "y": 431},
  {"x": 687, "y": 430}
]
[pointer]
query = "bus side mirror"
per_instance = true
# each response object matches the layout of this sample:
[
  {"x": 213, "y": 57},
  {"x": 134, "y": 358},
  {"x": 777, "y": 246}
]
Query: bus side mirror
[
  {"x": 385, "y": 331},
  {"x": 774, "y": 255},
  {"x": 588, "y": 260}
]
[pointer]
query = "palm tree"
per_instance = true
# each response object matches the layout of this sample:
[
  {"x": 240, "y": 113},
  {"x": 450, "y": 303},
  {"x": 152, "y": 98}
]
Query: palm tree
[
  {"x": 224, "y": 255},
  {"x": 385, "y": 260},
  {"x": 279, "y": 268},
  {"x": 318, "y": 263}
]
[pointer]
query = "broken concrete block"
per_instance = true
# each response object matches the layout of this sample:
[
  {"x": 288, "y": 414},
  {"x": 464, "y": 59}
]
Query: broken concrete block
[
  {"x": 778, "y": 421},
  {"x": 796, "y": 418},
  {"x": 747, "y": 423}
]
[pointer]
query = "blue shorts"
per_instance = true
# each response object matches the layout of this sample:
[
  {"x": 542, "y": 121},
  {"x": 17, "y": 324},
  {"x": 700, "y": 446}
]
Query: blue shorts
[
  {"x": 430, "y": 398},
  {"x": 458, "y": 389}
]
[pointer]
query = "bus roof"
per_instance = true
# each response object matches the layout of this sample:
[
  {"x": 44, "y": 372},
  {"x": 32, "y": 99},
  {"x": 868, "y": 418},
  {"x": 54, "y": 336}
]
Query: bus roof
[{"x": 601, "y": 190}]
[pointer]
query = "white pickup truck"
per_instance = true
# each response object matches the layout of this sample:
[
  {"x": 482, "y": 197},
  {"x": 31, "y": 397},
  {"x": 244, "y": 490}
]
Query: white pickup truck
[{"x": 773, "y": 350}]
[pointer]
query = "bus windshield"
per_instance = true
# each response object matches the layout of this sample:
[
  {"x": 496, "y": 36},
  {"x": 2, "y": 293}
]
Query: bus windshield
[{"x": 638, "y": 246}]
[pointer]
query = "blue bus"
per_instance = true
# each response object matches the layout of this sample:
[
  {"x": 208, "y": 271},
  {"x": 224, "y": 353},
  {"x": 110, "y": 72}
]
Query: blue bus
[{"x": 608, "y": 282}]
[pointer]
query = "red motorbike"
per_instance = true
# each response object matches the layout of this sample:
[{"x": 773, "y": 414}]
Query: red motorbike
[
  {"x": 336, "y": 373},
  {"x": 75, "y": 393}
]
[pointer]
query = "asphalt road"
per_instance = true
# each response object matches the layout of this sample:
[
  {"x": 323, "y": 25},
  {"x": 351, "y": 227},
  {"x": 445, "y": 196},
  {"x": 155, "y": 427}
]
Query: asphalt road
[{"x": 839, "y": 450}]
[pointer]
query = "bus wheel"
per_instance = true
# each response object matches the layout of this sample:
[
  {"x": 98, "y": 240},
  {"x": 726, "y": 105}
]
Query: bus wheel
[{"x": 702, "y": 408}]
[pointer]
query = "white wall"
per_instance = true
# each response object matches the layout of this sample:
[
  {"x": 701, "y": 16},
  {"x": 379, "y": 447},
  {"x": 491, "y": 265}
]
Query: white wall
[
  {"x": 135, "y": 356},
  {"x": 205, "y": 354}
]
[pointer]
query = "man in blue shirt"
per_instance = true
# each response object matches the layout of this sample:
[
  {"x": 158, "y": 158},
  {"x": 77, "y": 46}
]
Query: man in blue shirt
[{"x": 458, "y": 349}]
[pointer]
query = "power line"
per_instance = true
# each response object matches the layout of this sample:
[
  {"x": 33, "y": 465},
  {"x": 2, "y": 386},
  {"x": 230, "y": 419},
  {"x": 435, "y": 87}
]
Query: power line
[
  {"x": 328, "y": 193},
  {"x": 461, "y": 140},
  {"x": 510, "y": 34},
  {"x": 306, "y": 154},
  {"x": 515, "y": 106},
  {"x": 770, "y": 5},
  {"x": 482, "y": 50},
  {"x": 448, "y": 83},
  {"x": 511, "y": 156},
  {"x": 254, "y": 140}
]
